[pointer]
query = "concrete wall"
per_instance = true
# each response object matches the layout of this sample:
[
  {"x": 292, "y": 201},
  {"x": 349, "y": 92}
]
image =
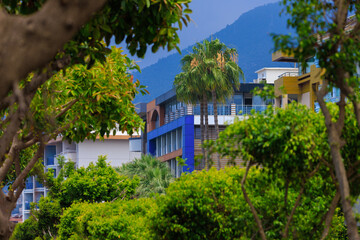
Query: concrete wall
[{"x": 117, "y": 151}]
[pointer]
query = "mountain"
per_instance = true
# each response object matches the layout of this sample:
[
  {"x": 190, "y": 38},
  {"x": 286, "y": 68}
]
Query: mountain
[{"x": 249, "y": 34}]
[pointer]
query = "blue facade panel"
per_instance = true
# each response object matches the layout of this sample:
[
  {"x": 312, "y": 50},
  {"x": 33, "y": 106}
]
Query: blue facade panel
[{"x": 187, "y": 125}]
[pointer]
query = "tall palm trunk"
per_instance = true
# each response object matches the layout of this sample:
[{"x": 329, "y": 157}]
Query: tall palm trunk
[
  {"x": 202, "y": 129},
  {"x": 213, "y": 92},
  {"x": 206, "y": 114}
]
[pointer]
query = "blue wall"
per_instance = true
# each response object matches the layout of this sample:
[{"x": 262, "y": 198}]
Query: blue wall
[{"x": 187, "y": 125}]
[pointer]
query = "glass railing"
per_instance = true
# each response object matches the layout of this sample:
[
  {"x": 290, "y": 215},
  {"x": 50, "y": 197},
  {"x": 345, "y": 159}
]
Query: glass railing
[
  {"x": 226, "y": 109},
  {"x": 246, "y": 109},
  {"x": 222, "y": 109}
]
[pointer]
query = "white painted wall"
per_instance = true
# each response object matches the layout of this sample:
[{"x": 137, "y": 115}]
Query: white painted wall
[
  {"x": 272, "y": 74},
  {"x": 117, "y": 151}
]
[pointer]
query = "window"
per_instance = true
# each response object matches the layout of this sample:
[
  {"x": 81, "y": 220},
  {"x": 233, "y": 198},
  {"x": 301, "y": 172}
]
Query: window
[
  {"x": 248, "y": 101},
  {"x": 168, "y": 143},
  {"x": 197, "y": 132},
  {"x": 179, "y": 138},
  {"x": 173, "y": 140},
  {"x": 163, "y": 144}
]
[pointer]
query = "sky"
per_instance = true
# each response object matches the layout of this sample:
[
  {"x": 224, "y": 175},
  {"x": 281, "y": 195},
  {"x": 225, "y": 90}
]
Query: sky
[{"x": 209, "y": 17}]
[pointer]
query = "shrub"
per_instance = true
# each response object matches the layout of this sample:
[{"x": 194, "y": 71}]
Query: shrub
[
  {"x": 210, "y": 205},
  {"x": 107, "y": 221}
]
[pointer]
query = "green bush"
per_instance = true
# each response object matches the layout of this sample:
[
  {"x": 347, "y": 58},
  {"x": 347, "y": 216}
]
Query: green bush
[
  {"x": 98, "y": 182},
  {"x": 28, "y": 230},
  {"x": 107, "y": 221},
  {"x": 210, "y": 205}
]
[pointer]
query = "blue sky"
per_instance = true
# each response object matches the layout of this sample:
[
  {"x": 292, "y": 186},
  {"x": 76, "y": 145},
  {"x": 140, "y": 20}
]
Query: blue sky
[{"x": 209, "y": 16}]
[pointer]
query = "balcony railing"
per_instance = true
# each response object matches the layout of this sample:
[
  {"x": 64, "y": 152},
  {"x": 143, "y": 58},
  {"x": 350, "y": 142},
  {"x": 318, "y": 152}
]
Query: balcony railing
[
  {"x": 289, "y": 74},
  {"x": 226, "y": 109},
  {"x": 222, "y": 109},
  {"x": 246, "y": 109},
  {"x": 171, "y": 116}
]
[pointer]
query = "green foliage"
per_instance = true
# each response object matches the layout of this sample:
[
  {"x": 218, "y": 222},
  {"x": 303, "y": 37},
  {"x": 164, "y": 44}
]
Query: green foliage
[
  {"x": 211, "y": 66},
  {"x": 290, "y": 142},
  {"x": 155, "y": 176},
  {"x": 43, "y": 221},
  {"x": 139, "y": 23},
  {"x": 117, "y": 220},
  {"x": 98, "y": 182},
  {"x": 266, "y": 93},
  {"x": 210, "y": 205},
  {"x": 28, "y": 230},
  {"x": 100, "y": 100}
]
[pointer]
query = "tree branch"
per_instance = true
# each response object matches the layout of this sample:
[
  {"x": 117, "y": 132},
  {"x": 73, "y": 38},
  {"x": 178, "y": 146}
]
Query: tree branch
[
  {"x": 29, "y": 166},
  {"x": 9, "y": 160},
  {"x": 253, "y": 210},
  {"x": 297, "y": 203},
  {"x": 340, "y": 122},
  {"x": 330, "y": 214},
  {"x": 66, "y": 107},
  {"x": 45, "y": 31}
]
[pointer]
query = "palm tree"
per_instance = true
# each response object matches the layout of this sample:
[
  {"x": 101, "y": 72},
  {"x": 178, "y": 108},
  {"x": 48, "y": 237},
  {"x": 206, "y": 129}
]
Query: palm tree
[
  {"x": 210, "y": 72},
  {"x": 155, "y": 176},
  {"x": 188, "y": 87}
]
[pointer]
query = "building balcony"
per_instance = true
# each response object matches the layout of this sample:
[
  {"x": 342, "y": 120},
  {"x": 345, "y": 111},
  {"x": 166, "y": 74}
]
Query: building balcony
[
  {"x": 280, "y": 56},
  {"x": 247, "y": 109}
]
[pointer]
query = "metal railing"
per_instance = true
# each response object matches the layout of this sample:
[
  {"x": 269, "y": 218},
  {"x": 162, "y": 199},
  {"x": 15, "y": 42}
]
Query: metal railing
[
  {"x": 226, "y": 109},
  {"x": 171, "y": 116},
  {"x": 222, "y": 109},
  {"x": 289, "y": 74},
  {"x": 247, "y": 109}
]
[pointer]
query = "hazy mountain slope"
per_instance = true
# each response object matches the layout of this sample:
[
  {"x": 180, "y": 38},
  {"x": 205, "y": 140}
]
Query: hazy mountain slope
[{"x": 249, "y": 34}]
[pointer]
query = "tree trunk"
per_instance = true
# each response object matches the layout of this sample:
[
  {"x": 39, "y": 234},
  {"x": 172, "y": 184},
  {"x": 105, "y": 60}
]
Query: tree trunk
[
  {"x": 216, "y": 124},
  {"x": 334, "y": 137},
  {"x": 206, "y": 116},
  {"x": 6, "y": 206},
  {"x": 252, "y": 208},
  {"x": 202, "y": 129},
  {"x": 39, "y": 37}
]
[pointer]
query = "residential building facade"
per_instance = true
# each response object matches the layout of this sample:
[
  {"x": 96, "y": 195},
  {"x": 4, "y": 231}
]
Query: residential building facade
[
  {"x": 173, "y": 128},
  {"x": 116, "y": 148}
]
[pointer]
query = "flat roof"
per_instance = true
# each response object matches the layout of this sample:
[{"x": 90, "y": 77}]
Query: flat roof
[{"x": 165, "y": 96}]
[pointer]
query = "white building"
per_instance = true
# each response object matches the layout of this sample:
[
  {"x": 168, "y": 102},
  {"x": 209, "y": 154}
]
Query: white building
[
  {"x": 116, "y": 148},
  {"x": 270, "y": 74}
]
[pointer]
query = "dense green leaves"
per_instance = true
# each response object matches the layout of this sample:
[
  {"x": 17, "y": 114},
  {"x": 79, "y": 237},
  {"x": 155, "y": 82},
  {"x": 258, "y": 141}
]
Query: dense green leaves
[
  {"x": 117, "y": 220},
  {"x": 97, "y": 183},
  {"x": 155, "y": 176},
  {"x": 100, "y": 100},
  {"x": 210, "y": 205},
  {"x": 290, "y": 142}
]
